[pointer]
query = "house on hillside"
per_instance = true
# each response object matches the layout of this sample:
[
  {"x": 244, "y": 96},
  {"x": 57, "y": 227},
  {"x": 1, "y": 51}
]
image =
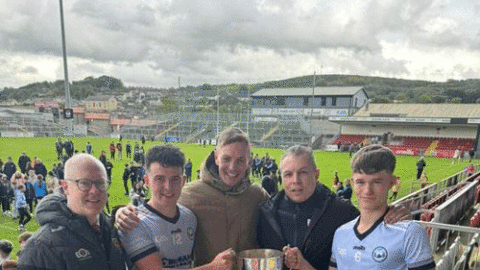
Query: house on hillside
[{"x": 101, "y": 103}]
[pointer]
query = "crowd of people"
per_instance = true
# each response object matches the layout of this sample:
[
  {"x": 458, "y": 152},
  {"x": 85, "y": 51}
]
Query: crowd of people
[{"x": 206, "y": 223}]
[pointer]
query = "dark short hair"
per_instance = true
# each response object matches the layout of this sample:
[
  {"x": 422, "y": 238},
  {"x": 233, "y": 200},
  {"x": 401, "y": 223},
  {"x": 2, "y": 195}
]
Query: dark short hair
[
  {"x": 6, "y": 246},
  {"x": 373, "y": 159},
  {"x": 165, "y": 155},
  {"x": 232, "y": 135}
]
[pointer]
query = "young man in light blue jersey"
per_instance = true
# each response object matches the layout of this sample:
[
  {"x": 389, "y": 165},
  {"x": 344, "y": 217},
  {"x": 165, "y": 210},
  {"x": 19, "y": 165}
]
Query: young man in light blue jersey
[
  {"x": 367, "y": 242},
  {"x": 165, "y": 236}
]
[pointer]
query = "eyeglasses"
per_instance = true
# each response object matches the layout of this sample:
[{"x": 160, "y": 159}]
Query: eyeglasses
[{"x": 86, "y": 185}]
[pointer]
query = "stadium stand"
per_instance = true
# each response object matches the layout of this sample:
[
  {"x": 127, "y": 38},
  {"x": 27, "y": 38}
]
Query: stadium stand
[
  {"x": 414, "y": 129},
  {"x": 28, "y": 123}
]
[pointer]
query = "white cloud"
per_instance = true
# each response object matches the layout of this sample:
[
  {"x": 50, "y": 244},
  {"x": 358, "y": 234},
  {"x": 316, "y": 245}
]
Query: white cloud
[{"x": 147, "y": 42}]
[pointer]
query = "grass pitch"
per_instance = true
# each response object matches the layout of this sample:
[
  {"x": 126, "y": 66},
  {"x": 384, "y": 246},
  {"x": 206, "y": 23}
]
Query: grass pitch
[{"x": 327, "y": 162}]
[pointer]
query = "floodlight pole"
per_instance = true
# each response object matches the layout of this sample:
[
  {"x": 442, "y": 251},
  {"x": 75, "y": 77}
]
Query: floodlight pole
[
  {"x": 248, "y": 110},
  {"x": 65, "y": 68},
  {"x": 311, "y": 110},
  {"x": 218, "y": 110}
]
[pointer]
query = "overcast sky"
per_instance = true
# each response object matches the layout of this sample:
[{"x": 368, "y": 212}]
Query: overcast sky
[{"x": 155, "y": 42}]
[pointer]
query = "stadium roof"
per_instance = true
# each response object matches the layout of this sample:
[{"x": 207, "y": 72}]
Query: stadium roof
[
  {"x": 420, "y": 110},
  {"x": 319, "y": 91}
]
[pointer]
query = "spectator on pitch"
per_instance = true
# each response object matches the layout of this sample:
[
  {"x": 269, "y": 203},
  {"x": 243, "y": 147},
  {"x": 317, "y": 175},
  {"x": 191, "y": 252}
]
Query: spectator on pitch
[
  {"x": 72, "y": 221},
  {"x": 471, "y": 154},
  {"x": 457, "y": 156},
  {"x": 40, "y": 169},
  {"x": 6, "y": 248},
  {"x": 143, "y": 139},
  {"x": 21, "y": 206},
  {"x": 58, "y": 171},
  {"x": 111, "y": 148},
  {"x": 224, "y": 190},
  {"x": 119, "y": 150},
  {"x": 4, "y": 200},
  {"x": 188, "y": 170},
  {"x": 395, "y": 189},
  {"x": 162, "y": 217},
  {"x": 40, "y": 188},
  {"x": 88, "y": 148},
  {"x": 69, "y": 148},
  {"x": 138, "y": 193},
  {"x": 346, "y": 193},
  {"x": 269, "y": 184},
  {"x": 400, "y": 245},
  {"x": 22, "y": 162},
  {"x": 135, "y": 172},
  {"x": 9, "y": 168},
  {"x": 29, "y": 167},
  {"x": 305, "y": 214},
  {"x": 420, "y": 166},
  {"x": 258, "y": 165},
  {"x": 128, "y": 150},
  {"x": 52, "y": 182},
  {"x": 59, "y": 148},
  {"x": 126, "y": 176},
  {"x": 108, "y": 168},
  {"x": 136, "y": 148},
  {"x": 30, "y": 189},
  {"x": 103, "y": 158}
]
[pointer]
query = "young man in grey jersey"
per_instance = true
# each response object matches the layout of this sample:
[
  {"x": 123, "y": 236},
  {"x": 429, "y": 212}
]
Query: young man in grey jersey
[
  {"x": 367, "y": 242},
  {"x": 164, "y": 237}
]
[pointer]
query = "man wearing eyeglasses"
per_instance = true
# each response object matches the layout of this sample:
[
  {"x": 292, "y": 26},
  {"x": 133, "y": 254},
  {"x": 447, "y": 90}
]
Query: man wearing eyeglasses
[{"x": 74, "y": 232}]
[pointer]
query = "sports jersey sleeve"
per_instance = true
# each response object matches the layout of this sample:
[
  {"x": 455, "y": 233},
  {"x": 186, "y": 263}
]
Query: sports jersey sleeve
[
  {"x": 333, "y": 260},
  {"x": 138, "y": 243},
  {"x": 418, "y": 253}
]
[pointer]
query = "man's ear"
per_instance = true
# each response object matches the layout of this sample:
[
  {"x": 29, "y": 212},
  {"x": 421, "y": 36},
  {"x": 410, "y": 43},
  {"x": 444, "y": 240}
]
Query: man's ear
[
  {"x": 65, "y": 186},
  {"x": 317, "y": 175}
]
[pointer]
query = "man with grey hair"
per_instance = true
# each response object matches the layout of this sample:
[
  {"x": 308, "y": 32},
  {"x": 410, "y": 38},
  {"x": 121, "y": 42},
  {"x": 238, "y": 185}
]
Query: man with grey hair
[
  {"x": 74, "y": 232},
  {"x": 305, "y": 214}
]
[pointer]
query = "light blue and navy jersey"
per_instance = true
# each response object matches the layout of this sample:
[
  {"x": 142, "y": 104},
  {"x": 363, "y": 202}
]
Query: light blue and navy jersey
[
  {"x": 173, "y": 238},
  {"x": 403, "y": 245},
  {"x": 20, "y": 200}
]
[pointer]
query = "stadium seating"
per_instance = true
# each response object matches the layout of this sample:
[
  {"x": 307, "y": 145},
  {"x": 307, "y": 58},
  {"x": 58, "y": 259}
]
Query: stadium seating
[
  {"x": 412, "y": 145},
  {"x": 348, "y": 139}
]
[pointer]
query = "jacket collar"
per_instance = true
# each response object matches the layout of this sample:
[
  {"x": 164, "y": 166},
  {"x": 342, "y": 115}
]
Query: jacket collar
[
  {"x": 210, "y": 176},
  {"x": 322, "y": 196}
]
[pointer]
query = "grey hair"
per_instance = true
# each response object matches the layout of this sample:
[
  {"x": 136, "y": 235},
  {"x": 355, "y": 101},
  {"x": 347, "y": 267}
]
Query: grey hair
[{"x": 298, "y": 150}]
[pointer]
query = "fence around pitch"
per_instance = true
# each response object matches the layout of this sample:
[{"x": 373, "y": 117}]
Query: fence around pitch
[
  {"x": 460, "y": 248},
  {"x": 415, "y": 200}
]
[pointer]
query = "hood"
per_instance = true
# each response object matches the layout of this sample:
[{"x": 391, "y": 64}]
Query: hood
[
  {"x": 52, "y": 208},
  {"x": 210, "y": 176}
]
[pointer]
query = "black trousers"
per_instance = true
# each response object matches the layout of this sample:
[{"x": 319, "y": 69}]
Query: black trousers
[
  {"x": 5, "y": 204},
  {"x": 24, "y": 216},
  {"x": 30, "y": 204},
  {"x": 419, "y": 173}
]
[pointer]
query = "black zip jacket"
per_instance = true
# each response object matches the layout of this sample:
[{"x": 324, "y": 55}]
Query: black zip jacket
[{"x": 330, "y": 212}]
